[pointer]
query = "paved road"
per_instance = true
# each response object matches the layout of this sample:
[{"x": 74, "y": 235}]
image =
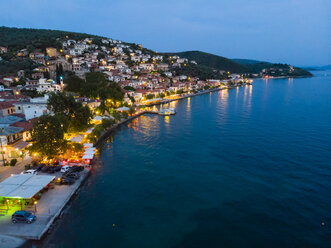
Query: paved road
[{"x": 6, "y": 171}]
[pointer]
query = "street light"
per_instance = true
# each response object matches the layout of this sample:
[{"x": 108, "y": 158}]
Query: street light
[
  {"x": 2, "y": 149},
  {"x": 35, "y": 205}
]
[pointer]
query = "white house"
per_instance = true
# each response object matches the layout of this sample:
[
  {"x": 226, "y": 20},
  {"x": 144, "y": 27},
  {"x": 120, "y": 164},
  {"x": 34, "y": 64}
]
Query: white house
[
  {"x": 31, "y": 109},
  {"x": 48, "y": 85}
]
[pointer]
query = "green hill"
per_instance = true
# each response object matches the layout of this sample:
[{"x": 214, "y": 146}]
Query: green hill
[
  {"x": 247, "y": 61},
  {"x": 213, "y": 61},
  {"x": 19, "y": 38},
  {"x": 208, "y": 64},
  {"x": 242, "y": 65}
]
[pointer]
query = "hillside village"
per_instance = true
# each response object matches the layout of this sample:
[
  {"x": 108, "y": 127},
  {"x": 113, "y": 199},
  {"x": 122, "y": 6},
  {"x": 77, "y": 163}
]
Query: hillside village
[
  {"x": 144, "y": 78},
  {"x": 126, "y": 64},
  {"x": 62, "y": 94},
  {"x": 57, "y": 103}
]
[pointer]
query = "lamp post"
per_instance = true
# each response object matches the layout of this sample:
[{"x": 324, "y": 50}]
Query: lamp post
[
  {"x": 3, "y": 158},
  {"x": 35, "y": 206},
  {"x": 61, "y": 82}
]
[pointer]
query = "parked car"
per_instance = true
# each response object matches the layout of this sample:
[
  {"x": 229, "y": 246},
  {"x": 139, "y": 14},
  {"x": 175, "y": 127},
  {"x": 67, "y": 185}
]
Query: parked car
[
  {"x": 65, "y": 168},
  {"x": 53, "y": 169},
  {"x": 38, "y": 167},
  {"x": 56, "y": 162},
  {"x": 73, "y": 175},
  {"x": 45, "y": 169},
  {"x": 23, "y": 216},
  {"x": 57, "y": 168},
  {"x": 76, "y": 168},
  {"x": 66, "y": 180},
  {"x": 31, "y": 171}
]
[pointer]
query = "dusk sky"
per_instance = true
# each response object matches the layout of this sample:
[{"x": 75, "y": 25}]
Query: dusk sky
[{"x": 286, "y": 31}]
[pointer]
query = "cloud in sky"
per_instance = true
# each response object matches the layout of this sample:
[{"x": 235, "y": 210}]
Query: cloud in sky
[{"x": 287, "y": 31}]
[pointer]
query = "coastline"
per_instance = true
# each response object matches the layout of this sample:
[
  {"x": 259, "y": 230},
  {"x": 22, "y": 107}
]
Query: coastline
[
  {"x": 52, "y": 224},
  {"x": 106, "y": 133}
]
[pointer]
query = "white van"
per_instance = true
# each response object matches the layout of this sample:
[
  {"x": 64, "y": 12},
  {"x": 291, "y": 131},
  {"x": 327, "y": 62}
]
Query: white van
[
  {"x": 31, "y": 171},
  {"x": 65, "y": 168}
]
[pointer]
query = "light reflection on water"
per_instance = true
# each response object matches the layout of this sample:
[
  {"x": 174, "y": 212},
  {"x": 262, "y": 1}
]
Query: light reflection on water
[{"x": 236, "y": 165}]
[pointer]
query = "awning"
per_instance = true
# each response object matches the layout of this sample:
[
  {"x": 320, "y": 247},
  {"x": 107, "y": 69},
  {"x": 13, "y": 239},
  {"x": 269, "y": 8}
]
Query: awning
[
  {"x": 21, "y": 145},
  {"x": 88, "y": 145},
  {"x": 89, "y": 152},
  {"x": 97, "y": 118},
  {"x": 153, "y": 100},
  {"x": 6, "y": 189},
  {"x": 25, "y": 192},
  {"x": 16, "y": 179},
  {"x": 90, "y": 130},
  {"x": 23, "y": 185},
  {"x": 78, "y": 138},
  {"x": 90, "y": 149},
  {"x": 122, "y": 109},
  {"x": 88, "y": 156}
]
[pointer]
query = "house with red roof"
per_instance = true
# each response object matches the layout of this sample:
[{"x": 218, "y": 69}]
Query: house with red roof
[
  {"x": 26, "y": 128},
  {"x": 6, "y": 108}
]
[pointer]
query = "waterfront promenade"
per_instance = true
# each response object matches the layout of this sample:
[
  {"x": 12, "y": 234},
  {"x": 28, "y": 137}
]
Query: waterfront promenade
[{"x": 49, "y": 207}]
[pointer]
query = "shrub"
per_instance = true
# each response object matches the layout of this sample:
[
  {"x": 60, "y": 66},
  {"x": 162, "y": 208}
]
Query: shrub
[
  {"x": 13, "y": 162},
  {"x": 150, "y": 96},
  {"x": 106, "y": 123}
]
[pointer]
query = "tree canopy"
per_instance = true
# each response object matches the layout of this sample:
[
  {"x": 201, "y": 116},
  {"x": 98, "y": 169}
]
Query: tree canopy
[
  {"x": 96, "y": 85},
  {"x": 48, "y": 136},
  {"x": 77, "y": 115},
  {"x": 74, "y": 83}
]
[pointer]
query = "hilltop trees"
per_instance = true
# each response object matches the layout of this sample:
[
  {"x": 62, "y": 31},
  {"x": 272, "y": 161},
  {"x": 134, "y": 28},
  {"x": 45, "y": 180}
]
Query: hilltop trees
[
  {"x": 19, "y": 38},
  {"x": 98, "y": 86},
  {"x": 95, "y": 86},
  {"x": 12, "y": 66},
  {"x": 74, "y": 83}
]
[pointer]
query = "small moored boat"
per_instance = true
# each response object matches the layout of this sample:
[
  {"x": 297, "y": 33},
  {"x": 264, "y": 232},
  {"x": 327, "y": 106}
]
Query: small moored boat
[{"x": 169, "y": 111}]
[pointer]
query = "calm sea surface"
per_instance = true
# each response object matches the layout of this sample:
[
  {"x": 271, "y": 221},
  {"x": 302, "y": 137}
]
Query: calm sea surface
[{"x": 247, "y": 167}]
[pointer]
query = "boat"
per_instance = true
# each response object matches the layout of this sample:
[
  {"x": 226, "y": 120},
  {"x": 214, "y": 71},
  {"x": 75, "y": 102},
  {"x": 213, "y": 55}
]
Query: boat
[
  {"x": 249, "y": 82},
  {"x": 169, "y": 111}
]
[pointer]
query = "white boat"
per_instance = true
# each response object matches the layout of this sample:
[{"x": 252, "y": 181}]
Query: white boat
[{"x": 169, "y": 111}]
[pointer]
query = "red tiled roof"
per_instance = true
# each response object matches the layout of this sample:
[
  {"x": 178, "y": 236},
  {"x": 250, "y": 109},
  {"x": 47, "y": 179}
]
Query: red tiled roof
[
  {"x": 5, "y": 105},
  {"x": 26, "y": 125},
  {"x": 142, "y": 91}
]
